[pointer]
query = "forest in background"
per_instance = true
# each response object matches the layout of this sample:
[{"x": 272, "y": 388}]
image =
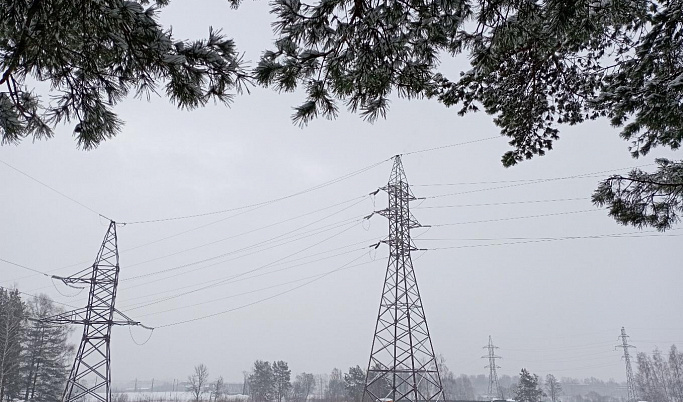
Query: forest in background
[{"x": 35, "y": 359}]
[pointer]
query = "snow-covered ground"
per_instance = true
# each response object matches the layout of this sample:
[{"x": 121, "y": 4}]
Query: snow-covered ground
[{"x": 161, "y": 396}]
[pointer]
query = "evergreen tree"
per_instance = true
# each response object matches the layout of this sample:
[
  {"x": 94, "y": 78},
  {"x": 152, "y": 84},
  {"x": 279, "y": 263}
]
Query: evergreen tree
[
  {"x": 534, "y": 66},
  {"x": 381, "y": 387},
  {"x": 93, "y": 54},
  {"x": 46, "y": 360},
  {"x": 281, "y": 380},
  {"x": 354, "y": 381},
  {"x": 528, "y": 389},
  {"x": 12, "y": 335},
  {"x": 262, "y": 382}
]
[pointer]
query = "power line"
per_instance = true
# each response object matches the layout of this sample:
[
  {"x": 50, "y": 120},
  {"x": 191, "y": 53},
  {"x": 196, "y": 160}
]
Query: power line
[
  {"x": 578, "y": 368},
  {"x": 264, "y": 299},
  {"x": 546, "y": 240},
  {"x": 654, "y": 233},
  {"x": 201, "y": 227},
  {"x": 220, "y": 282},
  {"x": 500, "y": 203},
  {"x": 579, "y": 176},
  {"x": 263, "y": 203},
  {"x": 261, "y": 274},
  {"x": 316, "y": 232},
  {"x": 451, "y": 145},
  {"x": 53, "y": 189},
  {"x": 258, "y": 290},
  {"x": 244, "y": 278},
  {"x": 232, "y": 296},
  {"x": 516, "y": 217},
  {"x": 35, "y": 296},
  {"x": 542, "y": 179},
  {"x": 24, "y": 267},
  {"x": 563, "y": 348},
  {"x": 299, "y": 228},
  {"x": 589, "y": 357}
]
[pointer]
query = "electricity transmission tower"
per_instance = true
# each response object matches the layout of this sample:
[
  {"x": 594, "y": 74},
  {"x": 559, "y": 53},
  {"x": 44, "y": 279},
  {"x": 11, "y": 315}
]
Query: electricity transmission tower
[
  {"x": 630, "y": 383},
  {"x": 90, "y": 377},
  {"x": 494, "y": 387},
  {"x": 402, "y": 364}
]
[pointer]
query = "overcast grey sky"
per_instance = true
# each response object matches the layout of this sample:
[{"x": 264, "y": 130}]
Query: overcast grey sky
[{"x": 552, "y": 305}]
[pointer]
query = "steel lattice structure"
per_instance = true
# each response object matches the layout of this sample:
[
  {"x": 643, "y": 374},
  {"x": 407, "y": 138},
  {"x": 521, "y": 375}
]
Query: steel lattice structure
[
  {"x": 90, "y": 377},
  {"x": 494, "y": 388},
  {"x": 402, "y": 364},
  {"x": 630, "y": 382}
]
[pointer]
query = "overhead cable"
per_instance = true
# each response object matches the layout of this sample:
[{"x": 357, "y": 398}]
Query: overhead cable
[
  {"x": 287, "y": 267},
  {"x": 258, "y": 204},
  {"x": 299, "y": 228},
  {"x": 54, "y": 190},
  {"x": 490, "y": 204},
  {"x": 24, "y": 267},
  {"x": 451, "y": 145},
  {"x": 220, "y": 282},
  {"x": 544, "y": 240},
  {"x": 265, "y": 298},
  {"x": 541, "y": 179},
  {"x": 517, "y": 217},
  {"x": 579, "y": 176}
]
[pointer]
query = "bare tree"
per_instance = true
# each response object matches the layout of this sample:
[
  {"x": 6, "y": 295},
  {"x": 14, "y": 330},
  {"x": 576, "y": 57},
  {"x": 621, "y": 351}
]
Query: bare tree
[
  {"x": 659, "y": 380},
  {"x": 336, "y": 391},
  {"x": 198, "y": 381},
  {"x": 217, "y": 389},
  {"x": 553, "y": 387},
  {"x": 303, "y": 386},
  {"x": 12, "y": 331},
  {"x": 46, "y": 361}
]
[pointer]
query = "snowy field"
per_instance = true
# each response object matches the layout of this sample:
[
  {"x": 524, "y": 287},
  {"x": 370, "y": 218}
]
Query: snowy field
[{"x": 167, "y": 397}]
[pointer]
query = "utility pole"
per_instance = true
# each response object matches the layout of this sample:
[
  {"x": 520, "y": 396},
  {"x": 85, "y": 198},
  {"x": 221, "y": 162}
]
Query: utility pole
[
  {"x": 402, "y": 364},
  {"x": 630, "y": 383},
  {"x": 494, "y": 388},
  {"x": 90, "y": 377}
]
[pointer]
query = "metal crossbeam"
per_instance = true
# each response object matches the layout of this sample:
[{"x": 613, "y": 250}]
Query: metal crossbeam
[{"x": 402, "y": 364}]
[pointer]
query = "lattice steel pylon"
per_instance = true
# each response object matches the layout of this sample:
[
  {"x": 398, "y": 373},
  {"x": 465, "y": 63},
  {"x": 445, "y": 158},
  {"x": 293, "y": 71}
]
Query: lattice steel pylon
[
  {"x": 630, "y": 382},
  {"x": 402, "y": 364},
  {"x": 494, "y": 387},
  {"x": 90, "y": 377}
]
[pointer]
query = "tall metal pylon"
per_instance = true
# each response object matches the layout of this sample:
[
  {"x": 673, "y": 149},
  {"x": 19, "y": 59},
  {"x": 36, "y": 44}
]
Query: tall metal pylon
[
  {"x": 402, "y": 364},
  {"x": 90, "y": 377},
  {"x": 494, "y": 387},
  {"x": 630, "y": 382}
]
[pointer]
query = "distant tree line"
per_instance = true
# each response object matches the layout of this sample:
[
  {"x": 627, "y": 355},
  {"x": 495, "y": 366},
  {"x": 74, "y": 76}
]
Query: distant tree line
[
  {"x": 35, "y": 358},
  {"x": 659, "y": 379}
]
